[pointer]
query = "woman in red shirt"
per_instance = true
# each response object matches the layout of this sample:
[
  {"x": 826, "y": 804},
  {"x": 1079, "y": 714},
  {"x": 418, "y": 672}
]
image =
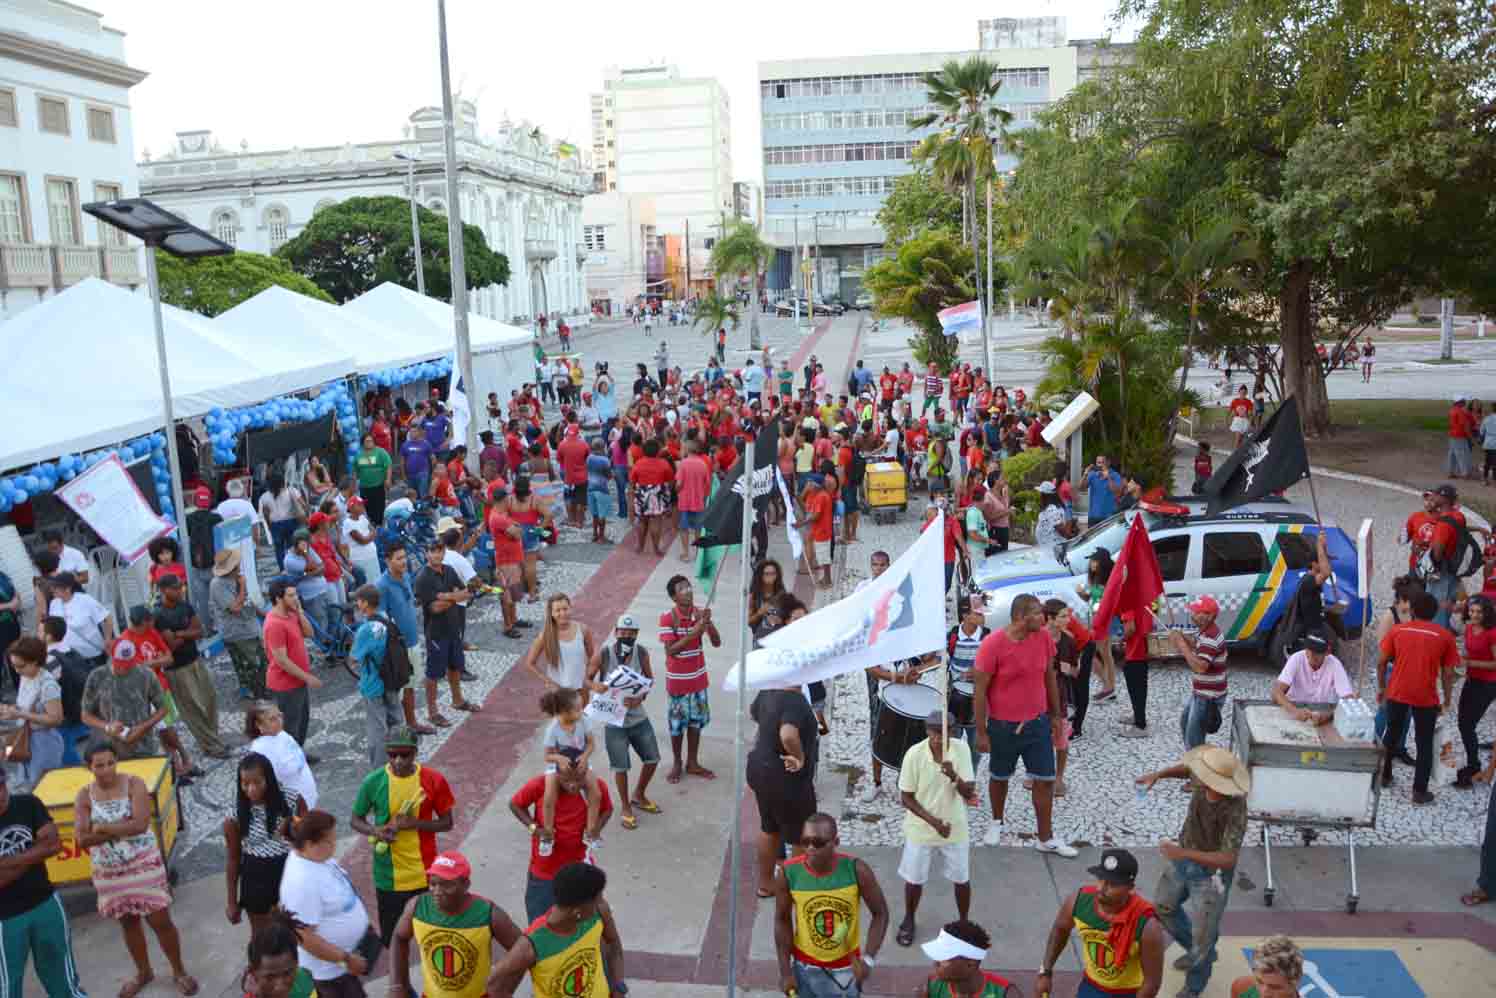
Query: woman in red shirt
[
  {"x": 1480, "y": 683},
  {"x": 650, "y": 481}
]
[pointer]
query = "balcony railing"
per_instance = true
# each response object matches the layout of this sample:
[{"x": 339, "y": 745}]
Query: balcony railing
[
  {"x": 39, "y": 265},
  {"x": 540, "y": 249}
]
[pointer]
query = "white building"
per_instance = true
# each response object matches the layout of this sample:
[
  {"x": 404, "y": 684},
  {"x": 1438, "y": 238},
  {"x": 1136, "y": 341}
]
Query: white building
[
  {"x": 523, "y": 190},
  {"x": 656, "y": 133},
  {"x": 623, "y": 254},
  {"x": 747, "y": 198},
  {"x": 65, "y": 140}
]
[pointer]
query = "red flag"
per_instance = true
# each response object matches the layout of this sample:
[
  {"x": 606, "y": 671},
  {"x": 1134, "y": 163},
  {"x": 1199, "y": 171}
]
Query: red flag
[{"x": 1135, "y": 581}]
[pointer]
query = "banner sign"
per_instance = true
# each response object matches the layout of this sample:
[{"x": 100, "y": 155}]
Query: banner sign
[{"x": 110, "y": 502}]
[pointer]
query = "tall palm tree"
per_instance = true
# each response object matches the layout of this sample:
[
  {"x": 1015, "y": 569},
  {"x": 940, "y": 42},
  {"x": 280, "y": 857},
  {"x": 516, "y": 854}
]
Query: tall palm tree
[
  {"x": 714, "y": 312},
  {"x": 971, "y": 129},
  {"x": 742, "y": 251}
]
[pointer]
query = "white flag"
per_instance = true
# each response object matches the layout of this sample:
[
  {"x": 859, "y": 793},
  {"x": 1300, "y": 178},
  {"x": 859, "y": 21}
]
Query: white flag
[
  {"x": 898, "y": 615},
  {"x": 791, "y": 527},
  {"x": 457, "y": 402}
]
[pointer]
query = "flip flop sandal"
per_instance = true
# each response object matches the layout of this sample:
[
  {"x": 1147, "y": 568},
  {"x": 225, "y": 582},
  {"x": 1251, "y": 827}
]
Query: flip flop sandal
[
  {"x": 513, "y": 632},
  {"x": 134, "y": 986},
  {"x": 647, "y": 806},
  {"x": 440, "y": 721},
  {"x": 1475, "y": 897},
  {"x": 905, "y": 936},
  {"x": 186, "y": 985},
  {"x": 467, "y": 707},
  {"x": 629, "y": 821}
]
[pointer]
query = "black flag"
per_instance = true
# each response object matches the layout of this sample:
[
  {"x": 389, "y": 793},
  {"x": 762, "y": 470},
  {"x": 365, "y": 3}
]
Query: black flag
[
  {"x": 723, "y": 522},
  {"x": 1268, "y": 462}
]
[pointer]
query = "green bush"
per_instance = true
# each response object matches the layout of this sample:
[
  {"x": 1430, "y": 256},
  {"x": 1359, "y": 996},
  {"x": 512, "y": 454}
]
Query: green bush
[
  {"x": 1023, "y": 516},
  {"x": 1027, "y": 469}
]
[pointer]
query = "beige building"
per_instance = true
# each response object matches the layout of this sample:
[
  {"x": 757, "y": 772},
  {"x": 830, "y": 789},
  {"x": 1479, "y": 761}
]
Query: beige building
[{"x": 623, "y": 253}]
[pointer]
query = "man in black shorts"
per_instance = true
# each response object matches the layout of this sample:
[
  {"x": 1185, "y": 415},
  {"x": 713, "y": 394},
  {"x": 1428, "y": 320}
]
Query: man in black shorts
[
  {"x": 442, "y": 596},
  {"x": 781, "y": 766}
]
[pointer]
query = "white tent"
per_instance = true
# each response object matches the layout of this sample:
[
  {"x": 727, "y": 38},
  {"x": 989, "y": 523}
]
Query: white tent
[
  {"x": 503, "y": 355},
  {"x": 80, "y": 371},
  {"x": 330, "y": 331}
]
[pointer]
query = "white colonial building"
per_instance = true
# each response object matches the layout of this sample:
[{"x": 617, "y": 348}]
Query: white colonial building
[
  {"x": 65, "y": 140},
  {"x": 523, "y": 190}
]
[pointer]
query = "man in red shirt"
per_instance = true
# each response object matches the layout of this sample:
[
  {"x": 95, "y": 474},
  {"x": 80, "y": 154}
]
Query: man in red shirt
[
  {"x": 954, "y": 540},
  {"x": 681, "y": 630},
  {"x": 1016, "y": 701},
  {"x": 1135, "y": 630},
  {"x": 1430, "y": 532},
  {"x": 528, "y": 806},
  {"x": 1426, "y": 656},
  {"x": 693, "y": 483},
  {"x": 289, "y": 673},
  {"x": 820, "y": 521},
  {"x": 887, "y": 385},
  {"x": 573, "y": 452},
  {"x": 1461, "y": 429}
]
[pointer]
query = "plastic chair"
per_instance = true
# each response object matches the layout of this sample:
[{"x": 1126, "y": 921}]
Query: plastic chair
[
  {"x": 103, "y": 585},
  {"x": 134, "y": 586}
]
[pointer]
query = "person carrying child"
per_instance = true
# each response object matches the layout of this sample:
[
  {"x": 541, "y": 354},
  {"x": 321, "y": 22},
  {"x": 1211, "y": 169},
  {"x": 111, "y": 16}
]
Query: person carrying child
[{"x": 570, "y": 740}]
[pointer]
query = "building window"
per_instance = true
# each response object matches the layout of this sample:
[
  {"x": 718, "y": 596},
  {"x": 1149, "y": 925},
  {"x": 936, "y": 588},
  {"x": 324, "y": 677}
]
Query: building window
[
  {"x": 8, "y": 116},
  {"x": 101, "y": 124},
  {"x": 12, "y": 208},
  {"x": 52, "y": 115},
  {"x": 62, "y": 212},
  {"x": 226, "y": 226},
  {"x": 594, "y": 237},
  {"x": 276, "y": 224},
  {"x": 108, "y": 234}
]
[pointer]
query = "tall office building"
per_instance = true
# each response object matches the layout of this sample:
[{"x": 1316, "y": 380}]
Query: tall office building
[
  {"x": 836, "y": 137},
  {"x": 655, "y": 132}
]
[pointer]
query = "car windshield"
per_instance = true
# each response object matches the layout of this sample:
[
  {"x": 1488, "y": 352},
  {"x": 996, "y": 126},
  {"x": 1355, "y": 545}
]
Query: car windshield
[{"x": 1108, "y": 534}]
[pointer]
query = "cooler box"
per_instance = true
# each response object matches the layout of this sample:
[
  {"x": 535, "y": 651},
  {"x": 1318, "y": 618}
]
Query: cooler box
[
  {"x": 59, "y": 789},
  {"x": 886, "y": 488}
]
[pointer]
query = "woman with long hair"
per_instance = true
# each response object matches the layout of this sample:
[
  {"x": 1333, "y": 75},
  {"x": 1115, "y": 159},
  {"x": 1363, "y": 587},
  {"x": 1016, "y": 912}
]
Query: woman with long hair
[
  {"x": 764, "y": 598},
  {"x": 256, "y": 839},
  {"x": 265, "y": 728},
  {"x": 564, "y": 646},
  {"x": 1098, "y": 570},
  {"x": 113, "y": 815},
  {"x": 316, "y": 891},
  {"x": 1480, "y": 681},
  {"x": 525, "y": 508},
  {"x": 39, "y": 704},
  {"x": 284, "y": 508}
]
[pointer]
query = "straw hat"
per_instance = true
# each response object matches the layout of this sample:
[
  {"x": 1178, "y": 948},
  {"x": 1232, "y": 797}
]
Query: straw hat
[
  {"x": 1219, "y": 770},
  {"x": 225, "y": 561}
]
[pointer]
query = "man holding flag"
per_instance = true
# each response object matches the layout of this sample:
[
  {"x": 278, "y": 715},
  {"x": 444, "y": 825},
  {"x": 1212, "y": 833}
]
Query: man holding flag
[{"x": 1134, "y": 585}]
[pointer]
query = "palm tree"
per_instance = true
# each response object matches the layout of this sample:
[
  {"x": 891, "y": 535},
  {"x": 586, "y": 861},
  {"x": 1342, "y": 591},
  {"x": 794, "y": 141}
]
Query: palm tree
[
  {"x": 971, "y": 129},
  {"x": 714, "y": 312},
  {"x": 1197, "y": 264},
  {"x": 742, "y": 251},
  {"x": 1117, "y": 339}
]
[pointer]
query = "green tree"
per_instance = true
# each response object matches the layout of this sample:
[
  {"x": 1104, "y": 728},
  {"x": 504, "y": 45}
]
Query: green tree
[
  {"x": 917, "y": 204},
  {"x": 928, "y": 273},
  {"x": 742, "y": 251},
  {"x": 360, "y": 243},
  {"x": 215, "y": 284},
  {"x": 714, "y": 312}
]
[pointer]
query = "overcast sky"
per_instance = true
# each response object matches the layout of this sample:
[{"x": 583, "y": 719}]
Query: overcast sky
[{"x": 278, "y": 73}]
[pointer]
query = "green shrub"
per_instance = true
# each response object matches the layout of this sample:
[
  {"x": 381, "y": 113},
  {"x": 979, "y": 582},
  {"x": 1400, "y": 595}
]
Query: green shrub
[
  {"x": 1024, "y": 514},
  {"x": 1029, "y": 468}
]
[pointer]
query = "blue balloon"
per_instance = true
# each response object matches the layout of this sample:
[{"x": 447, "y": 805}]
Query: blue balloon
[
  {"x": 30, "y": 483},
  {"x": 21, "y": 495}
]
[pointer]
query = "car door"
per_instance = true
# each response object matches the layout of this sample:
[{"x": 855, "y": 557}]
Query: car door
[
  {"x": 1234, "y": 569},
  {"x": 1178, "y": 559}
]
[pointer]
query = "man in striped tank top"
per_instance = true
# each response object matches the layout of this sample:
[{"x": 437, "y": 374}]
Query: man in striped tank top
[
  {"x": 573, "y": 950},
  {"x": 934, "y": 388},
  {"x": 1206, "y": 658},
  {"x": 681, "y": 630}
]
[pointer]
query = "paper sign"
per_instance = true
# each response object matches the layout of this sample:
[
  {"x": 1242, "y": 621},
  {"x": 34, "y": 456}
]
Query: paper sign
[
  {"x": 1364, "y": 563},
  {"x": 110, "y": 502},
  {"x": 622, "y": 682},
  {"x": 232, "y": 533},
  {"x": 608, "y": 708}
]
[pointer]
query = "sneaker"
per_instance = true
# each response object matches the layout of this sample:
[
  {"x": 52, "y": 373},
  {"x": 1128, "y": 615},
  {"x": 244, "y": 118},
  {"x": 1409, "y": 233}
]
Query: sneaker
[
  {"x": 1056, "y": 847},
  {"x": 869, "y": 793},
  {"x": 994, "y": 834},
  {"x": 1422, "y": 797},
  {"x": 1132, "y": 731}
]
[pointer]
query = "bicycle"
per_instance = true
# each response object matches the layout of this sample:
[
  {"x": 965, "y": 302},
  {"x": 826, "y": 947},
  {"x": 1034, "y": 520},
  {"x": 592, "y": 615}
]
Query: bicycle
[{"x": 414, "y": 531}]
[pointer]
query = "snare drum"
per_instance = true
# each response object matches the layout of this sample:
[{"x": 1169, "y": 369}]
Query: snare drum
[
  {"x": 901, "y": 721},
  {"x": 962, "y": 704}
]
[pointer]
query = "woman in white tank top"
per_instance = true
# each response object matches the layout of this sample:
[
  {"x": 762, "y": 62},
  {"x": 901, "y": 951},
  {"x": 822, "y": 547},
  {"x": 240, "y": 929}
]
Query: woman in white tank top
[{"x": 559, "y": 656}]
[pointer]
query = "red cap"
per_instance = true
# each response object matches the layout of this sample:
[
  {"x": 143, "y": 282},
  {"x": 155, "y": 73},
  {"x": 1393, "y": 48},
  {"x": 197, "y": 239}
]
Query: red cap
[
  {"x": 1205, "y": 604},
  {"x": 316, "y": 521},
  {"x": 202, "y": 498},
  {"x": 449, "y": 866}
]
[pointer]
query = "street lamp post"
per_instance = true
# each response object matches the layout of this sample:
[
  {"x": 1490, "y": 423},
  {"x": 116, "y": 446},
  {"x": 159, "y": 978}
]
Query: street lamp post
[
  {"x": 160, "y": 229},
  {"x": 463, "y": 375},
  {"x": 415, "y": 222}
]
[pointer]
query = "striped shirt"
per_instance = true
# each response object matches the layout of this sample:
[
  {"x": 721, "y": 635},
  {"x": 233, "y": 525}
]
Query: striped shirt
[
  {"x": 262, "y": 842},
  {"x": 1210, "y": 645},
  {"x": 933, "y": 386},
  {"x": 685, "y": 669}
]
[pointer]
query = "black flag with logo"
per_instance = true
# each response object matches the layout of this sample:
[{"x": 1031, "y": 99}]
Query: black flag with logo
[
  {"x": 723, "y": 521},
  {"x": 1271, "y": 460}
]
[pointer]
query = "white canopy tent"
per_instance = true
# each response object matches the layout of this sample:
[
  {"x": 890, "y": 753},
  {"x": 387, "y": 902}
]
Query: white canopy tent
[
  {"x": 282, "y": 315},
  {"x": 80, "y": 371}
]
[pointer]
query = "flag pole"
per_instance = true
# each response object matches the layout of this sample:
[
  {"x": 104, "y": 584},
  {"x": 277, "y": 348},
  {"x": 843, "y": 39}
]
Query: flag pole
[{"x": 734, "y": 836}]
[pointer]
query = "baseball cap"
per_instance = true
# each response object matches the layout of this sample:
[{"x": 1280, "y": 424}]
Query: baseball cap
[
  {"x": 1446, "y": 490},
  {"x": 447, "y": 523},
  {"x": 316, "y": 521},
  {"x": 302, "y": 533},
  {"x": 400, "y": 737},
  {"x": 449, "y": 866},
  {"x": 1046, "y": 488},
  {"x": 1205, "y": 604},
  {"x": 1117, "y": 866},
  {"x": 202, "y": 498},
  {"x": 355, "y": 501},
  {"x": 626, "y": 622}
]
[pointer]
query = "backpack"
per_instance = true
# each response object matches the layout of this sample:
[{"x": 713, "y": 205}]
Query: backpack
[
  {"x": 395, "y": 670},
  {"x": 1465, "y": 558},
  {"x": 72, "y": 675}
]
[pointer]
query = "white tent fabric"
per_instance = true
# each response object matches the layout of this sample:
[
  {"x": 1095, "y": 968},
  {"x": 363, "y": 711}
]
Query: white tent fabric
[
  {"x": 325, "y": 329},
  {"x": 80, "y": 371},
  {"x": 418, "y": 315}
]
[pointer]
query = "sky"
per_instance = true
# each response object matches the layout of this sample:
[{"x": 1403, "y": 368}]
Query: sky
[{"x": 282, "y": 73}]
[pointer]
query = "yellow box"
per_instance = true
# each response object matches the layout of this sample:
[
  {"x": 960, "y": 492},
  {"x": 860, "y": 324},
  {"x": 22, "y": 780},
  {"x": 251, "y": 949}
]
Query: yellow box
[
  {"x": 885, "y": 485},
  {"x": 58, "y": 790}
]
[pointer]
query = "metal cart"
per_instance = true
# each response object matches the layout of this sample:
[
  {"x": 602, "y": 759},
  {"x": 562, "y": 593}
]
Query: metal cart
[
  {"x": 1307, "y": 777},
  {"x": 59, "y": 789}
]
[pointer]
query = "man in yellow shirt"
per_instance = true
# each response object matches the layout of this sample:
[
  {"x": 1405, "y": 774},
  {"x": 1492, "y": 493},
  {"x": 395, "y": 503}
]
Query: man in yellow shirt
[{"x": 936, "y": 783}]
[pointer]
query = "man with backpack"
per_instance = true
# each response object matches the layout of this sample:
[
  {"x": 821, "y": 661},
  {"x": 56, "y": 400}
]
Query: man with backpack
[
  {"x": 1442, "y": 548},
  {"x": 382, "y": 668}
]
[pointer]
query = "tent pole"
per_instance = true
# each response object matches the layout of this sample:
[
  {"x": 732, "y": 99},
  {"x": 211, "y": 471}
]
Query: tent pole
[{"x": 734, "y": 834}]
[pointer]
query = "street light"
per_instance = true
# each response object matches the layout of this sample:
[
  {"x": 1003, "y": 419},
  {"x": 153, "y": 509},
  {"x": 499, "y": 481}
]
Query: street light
[
  {"x": 415, "y": 221},
  {"x": 160, "y": 229}
]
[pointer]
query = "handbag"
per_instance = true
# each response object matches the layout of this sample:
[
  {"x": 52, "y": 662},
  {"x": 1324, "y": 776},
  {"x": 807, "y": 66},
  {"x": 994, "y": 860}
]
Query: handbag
[
  {"x": 369, "y": 947},
  {"x": 18, "y": 746}
]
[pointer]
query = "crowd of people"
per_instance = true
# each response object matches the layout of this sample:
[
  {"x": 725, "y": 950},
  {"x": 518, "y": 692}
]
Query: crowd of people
[{"x": 559, "y": 453}]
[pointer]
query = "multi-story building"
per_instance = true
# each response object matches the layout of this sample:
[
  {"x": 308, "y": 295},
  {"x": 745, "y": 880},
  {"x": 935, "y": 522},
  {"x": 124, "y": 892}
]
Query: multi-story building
[
  {"x": 624, "y": 259},
  {"x": 745, "y": 200},
  {"x": 65, "y": 140},
  {"x": 836, "y": 136},
  {"x": 655, "y": 132},
  {"x": 522, "y": 189}
]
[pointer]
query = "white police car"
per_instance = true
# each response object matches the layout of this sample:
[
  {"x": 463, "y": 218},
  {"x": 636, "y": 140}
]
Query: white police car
[{"x": 1249, "y": 558}]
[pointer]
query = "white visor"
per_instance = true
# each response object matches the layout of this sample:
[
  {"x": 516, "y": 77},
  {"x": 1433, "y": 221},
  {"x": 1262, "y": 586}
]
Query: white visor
[{"x": 947, "y": 947}]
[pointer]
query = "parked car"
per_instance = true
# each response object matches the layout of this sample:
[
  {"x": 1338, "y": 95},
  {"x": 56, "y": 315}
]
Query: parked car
[
  {"x": 1249, "y": 558},
  {"x": 864, "y": 301}
]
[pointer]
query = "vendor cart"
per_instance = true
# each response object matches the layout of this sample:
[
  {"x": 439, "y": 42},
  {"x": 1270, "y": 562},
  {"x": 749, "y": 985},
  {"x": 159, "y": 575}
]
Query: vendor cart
[
  {"x": 887, "y": 495},
  {"x": 1305, "y": 776},
  {"x": 58, "y": 790}
]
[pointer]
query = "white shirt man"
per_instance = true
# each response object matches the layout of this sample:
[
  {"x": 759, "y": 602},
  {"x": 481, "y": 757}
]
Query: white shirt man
[
  {"x": 237, "y": 507},
  {"x": 90, "y": 628}
]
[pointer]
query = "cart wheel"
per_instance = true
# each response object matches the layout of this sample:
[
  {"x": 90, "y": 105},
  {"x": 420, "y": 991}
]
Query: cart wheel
[
  {"x": 1350, "y": 904},
  {"x": 1267, "y": 897}
]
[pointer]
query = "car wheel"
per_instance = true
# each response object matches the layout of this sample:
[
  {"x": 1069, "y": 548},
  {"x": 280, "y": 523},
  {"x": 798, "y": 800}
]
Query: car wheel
[{"x": 1277, "y": 645}]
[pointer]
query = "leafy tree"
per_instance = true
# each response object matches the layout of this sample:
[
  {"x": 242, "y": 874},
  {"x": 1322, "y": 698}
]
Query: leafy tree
[
  {"x": 215, "y": 284},
  {"x": 357, "y": 244},
  {"x": 971, "y": 128},
  {"x": 917, "y": 204},
  {"x": 742, "y": 251},
  {"x": 928, "y": 273},
  {"x": 714, "y": 312}
]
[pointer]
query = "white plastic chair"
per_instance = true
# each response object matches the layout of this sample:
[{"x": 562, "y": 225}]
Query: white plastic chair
[{"x": 103, "y": 584}]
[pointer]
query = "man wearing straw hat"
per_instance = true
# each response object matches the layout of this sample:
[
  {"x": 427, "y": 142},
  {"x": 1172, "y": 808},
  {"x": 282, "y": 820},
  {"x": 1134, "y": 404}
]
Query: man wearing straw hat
[
  {"x": 238, "y": 622},
  {"x": 1203, "y": 861}
]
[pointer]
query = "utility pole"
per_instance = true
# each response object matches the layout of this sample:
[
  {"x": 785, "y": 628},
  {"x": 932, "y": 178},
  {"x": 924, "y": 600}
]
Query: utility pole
[
  {"x": 415, "y": 222},
  {"x": 687, "y": 295},
  {"x": 816, "y": 286},
  {"x": 464, "y": 348},
  {"x": 795, "y": 267},
  {"x": 987, "y": 312}
]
